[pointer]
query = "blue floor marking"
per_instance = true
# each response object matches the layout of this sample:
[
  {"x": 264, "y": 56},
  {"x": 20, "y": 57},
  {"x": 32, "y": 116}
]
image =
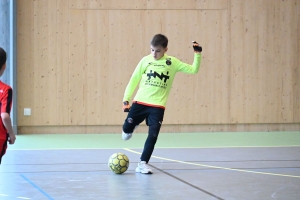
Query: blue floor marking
[{"x": 36, "y": 187}]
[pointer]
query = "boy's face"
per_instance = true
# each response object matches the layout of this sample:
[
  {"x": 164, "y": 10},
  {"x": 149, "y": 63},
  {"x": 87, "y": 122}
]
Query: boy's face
[{"x": 158, "y": 52}]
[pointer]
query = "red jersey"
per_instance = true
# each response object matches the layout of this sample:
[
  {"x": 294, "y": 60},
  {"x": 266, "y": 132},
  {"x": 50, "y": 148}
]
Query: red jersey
[{"x": 5, "y": 106}]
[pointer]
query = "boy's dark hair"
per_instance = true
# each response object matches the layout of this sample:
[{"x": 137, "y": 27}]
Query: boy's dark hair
[
  {"x": 2, "y": 57},
  {"x": 159, "y": 40}
]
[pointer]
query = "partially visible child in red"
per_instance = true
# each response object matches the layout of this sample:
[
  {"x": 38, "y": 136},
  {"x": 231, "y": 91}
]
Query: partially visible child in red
[{"x": 6, "y": 130}]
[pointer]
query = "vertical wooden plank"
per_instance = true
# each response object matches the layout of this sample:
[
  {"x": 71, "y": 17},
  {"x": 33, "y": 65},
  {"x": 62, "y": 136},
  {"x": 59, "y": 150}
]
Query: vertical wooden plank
[
  {"x": 244, "y": 61},
  {"x": 77, "y": 67},
  {"x": 50, "y": 116},
  {"x": 229, "y": 51},
  {"x": 97, "y": 79},
  {"x": 250, "y": 62},
  {"x": 42, "y": 78},
  {"x": 236, "y": 28},
  {"x": 283, "y": 60},
  {"x": 296, "y": 84},
  {"x": 287, "y": 49},
  {"x": 62, "y": 55},
  {"x": 25, "y": 72},
  {"x": 265, "y": 73}
]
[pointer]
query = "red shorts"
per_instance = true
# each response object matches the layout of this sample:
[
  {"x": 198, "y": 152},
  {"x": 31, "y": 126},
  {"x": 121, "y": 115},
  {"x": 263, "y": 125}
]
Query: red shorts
[{"x": 3, "y": 147}]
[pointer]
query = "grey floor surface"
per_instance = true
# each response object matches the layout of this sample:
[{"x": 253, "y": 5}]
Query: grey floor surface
[{"x": 180, "y": 173}]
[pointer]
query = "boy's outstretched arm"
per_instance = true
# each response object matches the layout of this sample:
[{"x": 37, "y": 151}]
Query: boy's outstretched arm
[
  {"x": 7, "y": 123},
  {"x": 194, "y": 68}
]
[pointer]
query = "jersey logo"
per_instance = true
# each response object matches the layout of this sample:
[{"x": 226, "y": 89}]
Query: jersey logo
[
  {"x": 161, "y": 76},
  {"x": 168, "y": 62}
]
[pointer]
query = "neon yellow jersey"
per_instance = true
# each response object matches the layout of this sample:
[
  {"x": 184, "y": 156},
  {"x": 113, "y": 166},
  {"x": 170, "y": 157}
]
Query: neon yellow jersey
[{"x": 156, "y": 78}]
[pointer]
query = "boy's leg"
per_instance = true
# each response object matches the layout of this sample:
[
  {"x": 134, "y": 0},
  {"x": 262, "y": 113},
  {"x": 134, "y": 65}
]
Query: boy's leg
[
  {"x": 154, "y": 128},
  {"x": 135, "y": 116},
  {"x": 154, "y": 122},
  {"x": 3, "y": 147}
]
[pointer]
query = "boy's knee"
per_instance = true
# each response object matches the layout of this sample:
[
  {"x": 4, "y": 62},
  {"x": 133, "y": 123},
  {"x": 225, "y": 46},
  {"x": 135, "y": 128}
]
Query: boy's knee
[
  {"x": 154, "y": 130},
  {"x": 128, "y": 126}
]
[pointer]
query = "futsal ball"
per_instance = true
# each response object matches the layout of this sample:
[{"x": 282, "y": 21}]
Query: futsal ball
[{"x": 118, "y": 163}]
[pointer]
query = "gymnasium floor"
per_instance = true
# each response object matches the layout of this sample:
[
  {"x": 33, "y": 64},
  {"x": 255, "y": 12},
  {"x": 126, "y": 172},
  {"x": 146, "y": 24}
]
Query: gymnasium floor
[{"x": 204, "y": 166}]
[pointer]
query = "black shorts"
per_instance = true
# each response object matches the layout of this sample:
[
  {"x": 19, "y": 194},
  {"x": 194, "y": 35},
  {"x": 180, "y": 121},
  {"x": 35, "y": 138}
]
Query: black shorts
[{"x": 138, "y": 113}]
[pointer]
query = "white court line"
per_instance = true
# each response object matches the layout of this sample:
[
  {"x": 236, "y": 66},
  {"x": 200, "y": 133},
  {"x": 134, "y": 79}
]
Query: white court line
[
  {"x": 215, "y": 167},
  {"x": 5, "y": 195}
]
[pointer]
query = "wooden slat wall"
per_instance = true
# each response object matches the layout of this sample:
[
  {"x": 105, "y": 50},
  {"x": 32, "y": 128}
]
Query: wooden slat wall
[
  {"x": 148, "y": 4},
  {"x": 264, "y": 61},
  {"x": 75, "y": 58},
  {"x": 43, "y": 62}
]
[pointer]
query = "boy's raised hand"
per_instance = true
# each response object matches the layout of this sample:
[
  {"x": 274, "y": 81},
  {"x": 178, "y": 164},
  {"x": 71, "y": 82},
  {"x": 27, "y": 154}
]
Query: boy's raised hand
[{"x": 197, "y": 47}]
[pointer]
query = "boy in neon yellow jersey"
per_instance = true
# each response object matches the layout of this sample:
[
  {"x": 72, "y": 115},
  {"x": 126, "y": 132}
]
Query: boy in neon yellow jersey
[{"x": 155, "y": 73}]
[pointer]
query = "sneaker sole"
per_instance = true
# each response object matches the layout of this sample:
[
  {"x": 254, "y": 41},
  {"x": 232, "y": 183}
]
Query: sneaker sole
[{"x": 137, "y": 171}]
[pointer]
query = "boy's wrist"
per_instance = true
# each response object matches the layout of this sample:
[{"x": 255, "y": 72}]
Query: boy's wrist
[{"x": 126, "y": 106}]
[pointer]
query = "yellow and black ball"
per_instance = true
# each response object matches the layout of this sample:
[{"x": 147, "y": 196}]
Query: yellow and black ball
[{"x": 118, "y": 163}]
